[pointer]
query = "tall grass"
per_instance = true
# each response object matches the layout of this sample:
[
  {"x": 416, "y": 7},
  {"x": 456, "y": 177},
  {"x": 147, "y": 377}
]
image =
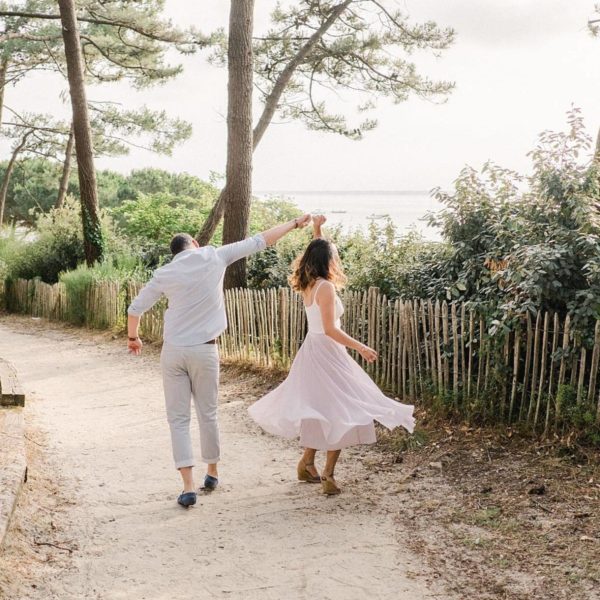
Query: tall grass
[
  {"x": 11, "y": 245},
  {"x": 117, "y": 269}
]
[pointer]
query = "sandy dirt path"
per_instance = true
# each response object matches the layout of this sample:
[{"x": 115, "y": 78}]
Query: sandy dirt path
[{"x": 105, "y": 447}]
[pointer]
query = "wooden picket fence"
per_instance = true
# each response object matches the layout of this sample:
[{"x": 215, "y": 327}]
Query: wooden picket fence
[
  {"x": 100, "y": 306},
  {"x": 436, "y": 353}
]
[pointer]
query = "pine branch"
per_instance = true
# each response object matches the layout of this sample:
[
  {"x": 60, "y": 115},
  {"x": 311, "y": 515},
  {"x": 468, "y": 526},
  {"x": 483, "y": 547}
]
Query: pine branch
[
  {"x": 175, "y": 38},
  {"x": 6, "y": 36},
  {"x": 286, "y": 75}
]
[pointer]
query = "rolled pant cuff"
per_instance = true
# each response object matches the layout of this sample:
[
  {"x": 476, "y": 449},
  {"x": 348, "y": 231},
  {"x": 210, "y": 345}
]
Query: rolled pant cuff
[
  {"x": 181, "y": 464},
  {"x": 211, "y": 461}
]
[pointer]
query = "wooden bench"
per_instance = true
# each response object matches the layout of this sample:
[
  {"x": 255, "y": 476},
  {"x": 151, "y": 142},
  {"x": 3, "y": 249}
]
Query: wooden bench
[{"x": 11, "y": 392}]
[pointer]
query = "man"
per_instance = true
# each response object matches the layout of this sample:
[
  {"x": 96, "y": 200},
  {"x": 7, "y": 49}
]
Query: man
[{"x": 193, "y": 285}]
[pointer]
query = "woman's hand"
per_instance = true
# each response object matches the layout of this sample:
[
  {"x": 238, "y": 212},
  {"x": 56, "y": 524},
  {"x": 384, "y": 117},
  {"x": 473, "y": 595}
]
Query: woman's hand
[
  {"x": 368, "y": 353},
  {"x": 319, "y": 220}
]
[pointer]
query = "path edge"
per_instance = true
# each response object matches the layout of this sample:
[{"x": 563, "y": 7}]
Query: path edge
[{"x": 13, "y": 465}]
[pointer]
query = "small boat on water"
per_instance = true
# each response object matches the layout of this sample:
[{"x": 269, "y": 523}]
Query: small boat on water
[{"x": 375, "y": 217}]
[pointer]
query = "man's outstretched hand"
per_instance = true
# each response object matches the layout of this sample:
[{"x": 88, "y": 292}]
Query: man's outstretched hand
[
  {"x": 303, "y": 221},
  {"x": 135, "y": 346}
]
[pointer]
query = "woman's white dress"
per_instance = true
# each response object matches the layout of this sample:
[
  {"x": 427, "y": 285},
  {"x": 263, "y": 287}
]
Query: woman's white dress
[{"x": 327, "y": 399}]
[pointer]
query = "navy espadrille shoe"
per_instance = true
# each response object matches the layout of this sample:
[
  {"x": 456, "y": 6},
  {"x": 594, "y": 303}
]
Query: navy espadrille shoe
[
  {"x": 187, "y": 499},
  {"x": 210, "y": 483}
]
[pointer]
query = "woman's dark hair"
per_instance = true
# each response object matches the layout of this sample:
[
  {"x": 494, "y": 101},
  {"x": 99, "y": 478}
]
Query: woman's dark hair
[{"x": 320, "y": 259}]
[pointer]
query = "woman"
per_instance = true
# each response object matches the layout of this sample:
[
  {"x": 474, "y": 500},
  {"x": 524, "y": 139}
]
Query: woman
[{"x": 327, "y": 398}]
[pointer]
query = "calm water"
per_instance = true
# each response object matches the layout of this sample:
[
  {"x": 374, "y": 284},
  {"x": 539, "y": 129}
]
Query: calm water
[{"x": 358, "y": 209}]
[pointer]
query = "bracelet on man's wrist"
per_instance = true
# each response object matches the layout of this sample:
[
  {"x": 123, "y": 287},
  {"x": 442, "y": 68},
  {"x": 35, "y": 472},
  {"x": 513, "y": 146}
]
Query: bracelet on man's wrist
[{"x": 134, "y": 339}]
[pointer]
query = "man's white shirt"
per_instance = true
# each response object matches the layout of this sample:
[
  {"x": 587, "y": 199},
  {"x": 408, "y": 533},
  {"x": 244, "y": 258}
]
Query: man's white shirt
[{"x": 193, "y": 285}]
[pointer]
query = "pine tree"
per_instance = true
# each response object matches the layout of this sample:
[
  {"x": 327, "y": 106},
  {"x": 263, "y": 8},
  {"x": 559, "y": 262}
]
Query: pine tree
[{"x": 355, "y": 47}]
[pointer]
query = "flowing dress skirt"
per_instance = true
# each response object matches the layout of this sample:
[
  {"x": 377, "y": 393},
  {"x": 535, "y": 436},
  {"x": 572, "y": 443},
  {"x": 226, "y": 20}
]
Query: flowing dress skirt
[{"x": 328, "y": 400}]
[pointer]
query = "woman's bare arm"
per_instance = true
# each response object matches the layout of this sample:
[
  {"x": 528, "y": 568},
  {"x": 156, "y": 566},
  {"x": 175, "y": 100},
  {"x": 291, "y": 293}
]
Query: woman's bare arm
[
  {"x": 318, "y": 221},
  {"x": 325, "y": 299}
]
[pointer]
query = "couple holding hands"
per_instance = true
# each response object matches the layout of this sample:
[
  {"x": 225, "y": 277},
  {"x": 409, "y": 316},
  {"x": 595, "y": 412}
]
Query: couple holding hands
[{"x": 327, "y": 400}]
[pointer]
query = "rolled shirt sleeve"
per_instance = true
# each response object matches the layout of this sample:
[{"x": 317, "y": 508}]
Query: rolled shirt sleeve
[
  {"x": 149, "y": 295},
  {"x": 232, "y": 252}
]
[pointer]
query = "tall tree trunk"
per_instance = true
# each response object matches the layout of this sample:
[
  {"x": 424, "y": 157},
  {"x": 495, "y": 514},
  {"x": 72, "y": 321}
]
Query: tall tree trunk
[
  {"x": 238, "y": 174},
  {"x": 8, "y": 173},
  {"x": 271, "y": 103},
  {"x": 66, "y": 172},
  {"x": 3, "y": 69},
  {"x": 88, "y": 190}
]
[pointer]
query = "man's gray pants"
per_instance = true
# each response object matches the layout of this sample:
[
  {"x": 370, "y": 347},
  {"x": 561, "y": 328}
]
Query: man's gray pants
[{"x": 191, "y": 372}]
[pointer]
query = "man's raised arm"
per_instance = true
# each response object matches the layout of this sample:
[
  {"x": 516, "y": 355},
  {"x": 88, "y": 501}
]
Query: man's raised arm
[
  {"x": 232, "y": 252},
  {"x": 273, "y": 235}
]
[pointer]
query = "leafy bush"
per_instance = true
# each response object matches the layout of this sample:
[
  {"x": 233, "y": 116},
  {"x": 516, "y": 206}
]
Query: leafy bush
[
  {"x": 379, "y": 257},
  {"x": 150, "y": 221},
  {"x": 271, "y": 267},
  {"x": 522, "y": 244},
  {"x": 268, "y": 212},
  {"x": 382, "y": 258},
  {"x": 56, "y": 244}
]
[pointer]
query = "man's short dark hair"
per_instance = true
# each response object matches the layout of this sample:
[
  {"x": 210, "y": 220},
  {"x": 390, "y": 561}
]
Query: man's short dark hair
[{"x": 181, "y": 242}]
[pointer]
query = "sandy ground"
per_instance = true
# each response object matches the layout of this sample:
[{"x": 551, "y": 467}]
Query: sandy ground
[{"x": 98, "y": 517}]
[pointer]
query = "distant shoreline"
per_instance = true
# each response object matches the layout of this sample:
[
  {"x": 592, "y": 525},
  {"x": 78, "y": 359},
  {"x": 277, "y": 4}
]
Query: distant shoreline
[
  {"x": 354, "y": 209},
  {"x": 340, "y": 192}
]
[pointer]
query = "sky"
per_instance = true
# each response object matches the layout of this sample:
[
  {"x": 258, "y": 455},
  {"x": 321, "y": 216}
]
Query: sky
[{"x": 518, "y": 65}]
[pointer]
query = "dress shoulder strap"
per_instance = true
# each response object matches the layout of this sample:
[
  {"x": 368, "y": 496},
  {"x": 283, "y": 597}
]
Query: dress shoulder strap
[{"x": 314, "y": 294}]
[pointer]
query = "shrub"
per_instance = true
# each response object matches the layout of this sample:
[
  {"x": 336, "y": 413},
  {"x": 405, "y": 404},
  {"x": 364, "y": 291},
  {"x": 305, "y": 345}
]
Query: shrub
[
  {"x": 56, "y": 245},
  {"x": 517, "y": 244},
  {"x": 379, "y": 257},
  {"x": 272, "y": 267},
  {"x": 382, "y": 258},
  {"x": 150, "y": 221}
]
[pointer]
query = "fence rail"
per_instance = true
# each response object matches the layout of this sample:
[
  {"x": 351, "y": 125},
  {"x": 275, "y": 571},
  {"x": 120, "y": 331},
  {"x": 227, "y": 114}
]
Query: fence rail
[{"x": 440, "y": 353}]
